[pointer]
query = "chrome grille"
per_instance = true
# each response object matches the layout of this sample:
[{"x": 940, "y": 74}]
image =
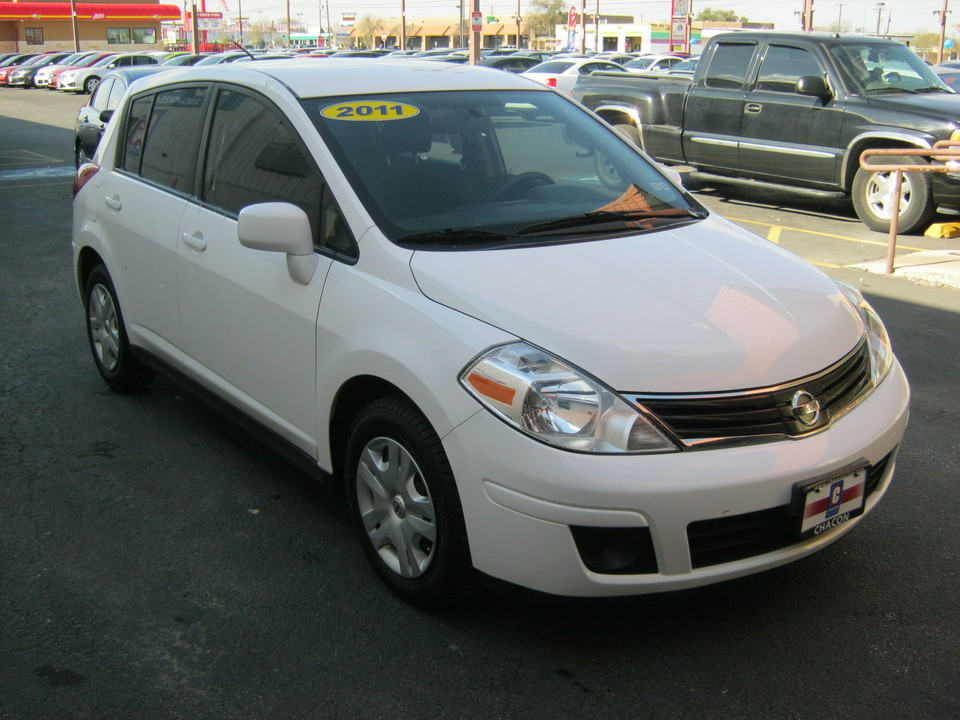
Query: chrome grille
[{"x": 762, "y": 413}]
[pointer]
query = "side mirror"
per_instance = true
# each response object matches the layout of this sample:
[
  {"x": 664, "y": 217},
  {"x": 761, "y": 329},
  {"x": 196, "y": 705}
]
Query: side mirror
[
  {"x": 280, "y": 227},
  {"x": 105, "y": 116},
  {"x": 814, "y": 86}
]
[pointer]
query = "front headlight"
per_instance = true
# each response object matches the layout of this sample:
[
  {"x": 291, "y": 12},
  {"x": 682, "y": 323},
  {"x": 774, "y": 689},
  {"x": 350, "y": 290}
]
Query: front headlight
[
  {"x": 881, "y": 354},
  {"x": 547, "y": 399}
]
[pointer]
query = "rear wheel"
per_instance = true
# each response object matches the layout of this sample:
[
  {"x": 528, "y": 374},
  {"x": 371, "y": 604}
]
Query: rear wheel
[
  {"x": 108, "y": 337},
  {"x": 405, "y": 505},
  {"x": 629, "y": 132},
  {"x": 874, "y": 200},
  {"x": 80, "y": 157}
]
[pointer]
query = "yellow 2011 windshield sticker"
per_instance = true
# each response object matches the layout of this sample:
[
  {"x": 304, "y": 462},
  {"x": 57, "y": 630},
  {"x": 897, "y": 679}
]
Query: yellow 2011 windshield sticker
[{"x": 366, "y": 110}]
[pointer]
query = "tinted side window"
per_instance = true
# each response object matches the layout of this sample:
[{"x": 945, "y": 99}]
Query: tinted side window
[
  {"x": 728, "y": 66},
  {"x": 173, "y": 133},
  {"x": 136, "y": 130},
  {"x": 783, "y": 66},
  {"x": 254, "y": 157}
]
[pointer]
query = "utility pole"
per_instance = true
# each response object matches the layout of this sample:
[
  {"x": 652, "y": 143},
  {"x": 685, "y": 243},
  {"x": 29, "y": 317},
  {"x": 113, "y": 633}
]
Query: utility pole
[
  {"x": 806, "y": 16},
  {"x": 518, "y": 23},
  {"x": 943, "y": 30},
  {"x": 596, "y": 28},
  {"x": 583, "y": 27},
  {"x": 76, "y": 26},
  {"x": 879, "y": 15}
]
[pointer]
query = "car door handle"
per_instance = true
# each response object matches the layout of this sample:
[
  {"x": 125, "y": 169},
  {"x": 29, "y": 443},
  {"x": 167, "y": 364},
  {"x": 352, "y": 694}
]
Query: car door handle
[
  {"x": 753, "y": 108},
  {"x": 113, "y": 202},
  {"x": 195, "y": 241}
]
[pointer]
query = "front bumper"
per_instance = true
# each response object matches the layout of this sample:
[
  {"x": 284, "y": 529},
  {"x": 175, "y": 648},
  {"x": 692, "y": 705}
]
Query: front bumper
[{"x": 532, "y": 511}]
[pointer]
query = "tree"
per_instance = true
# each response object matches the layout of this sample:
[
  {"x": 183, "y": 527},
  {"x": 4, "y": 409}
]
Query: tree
[
  {"x": 711, "y": 15},
  {"x": 368, "y": 28},
  {"x": 551, "y": 13}
]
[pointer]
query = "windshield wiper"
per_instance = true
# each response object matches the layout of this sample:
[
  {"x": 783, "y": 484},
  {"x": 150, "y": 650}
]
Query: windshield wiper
[
  {"x": 452, "y": 236},
  {"x": 630, "y": 218}
]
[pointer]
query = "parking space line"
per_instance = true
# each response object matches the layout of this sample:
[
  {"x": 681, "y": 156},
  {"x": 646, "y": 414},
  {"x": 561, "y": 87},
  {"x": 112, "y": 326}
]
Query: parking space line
[{"x": 780, "y": 228}]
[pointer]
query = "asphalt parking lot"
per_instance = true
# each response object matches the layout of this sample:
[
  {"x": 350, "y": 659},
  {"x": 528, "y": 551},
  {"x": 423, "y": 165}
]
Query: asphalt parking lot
[{"x": 155, "y": 562}]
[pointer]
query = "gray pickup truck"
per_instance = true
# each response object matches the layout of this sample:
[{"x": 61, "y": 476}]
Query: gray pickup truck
[{"x": 795, "y": 111}]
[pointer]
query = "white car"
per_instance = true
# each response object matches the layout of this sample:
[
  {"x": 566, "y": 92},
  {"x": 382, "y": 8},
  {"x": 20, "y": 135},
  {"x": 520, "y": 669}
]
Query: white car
[
  {"x": 562, "y": 73},
  {"x": 522, "y": 349},
  {"x": 86, "y": 79},
  {"x": 42, "y": 78},
  {"x": 653, "y": 63}
]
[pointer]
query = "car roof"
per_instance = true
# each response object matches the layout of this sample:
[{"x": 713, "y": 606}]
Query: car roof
[
  {"x": 129, "y": 74},
  {"x": 349, "y": 77}
]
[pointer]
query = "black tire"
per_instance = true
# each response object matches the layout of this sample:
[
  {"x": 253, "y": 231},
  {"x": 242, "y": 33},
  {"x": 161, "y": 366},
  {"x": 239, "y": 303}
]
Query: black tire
[
  {"x": 606, "y": 168},
  {"x": 405, "y": 507},
  {"x": 629, "y": 132},
  {"x": 108, "y": 337},
  {"x": 80, "y": 157},
  {"x": 90, "y": 84},
  {"x": 872, "y": 196}
]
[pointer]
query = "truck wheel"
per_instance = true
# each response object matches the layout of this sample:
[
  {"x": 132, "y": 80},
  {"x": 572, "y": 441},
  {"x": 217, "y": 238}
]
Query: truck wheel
[
  {"x": 873, "y": 200},
  {"x": 629, "y": 132}
]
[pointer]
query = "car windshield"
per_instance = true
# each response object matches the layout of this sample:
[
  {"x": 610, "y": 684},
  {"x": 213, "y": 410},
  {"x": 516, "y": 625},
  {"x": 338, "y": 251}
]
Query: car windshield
[
  {"x": 502, "y": 167},
  {"x": 876, "y": 69}
]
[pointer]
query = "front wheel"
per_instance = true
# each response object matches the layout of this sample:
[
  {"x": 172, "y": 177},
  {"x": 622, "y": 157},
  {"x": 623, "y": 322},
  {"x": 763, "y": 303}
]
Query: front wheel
[
  {"x": 90, "y": 84},
  {"x": 405, "y": 506},
  {"x": 108, "y": 337},
  {"x": 874, "y": 201}
]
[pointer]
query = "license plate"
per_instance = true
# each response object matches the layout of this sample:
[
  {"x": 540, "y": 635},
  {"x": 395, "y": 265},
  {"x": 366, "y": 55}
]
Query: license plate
[{"x": 829, "y": 503}]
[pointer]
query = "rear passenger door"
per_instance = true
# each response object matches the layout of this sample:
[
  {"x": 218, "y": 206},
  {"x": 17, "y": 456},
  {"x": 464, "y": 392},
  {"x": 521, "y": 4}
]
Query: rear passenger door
[
  {"x": 144, "y": 196},
  {"x": 714, "y": 107},
  {"x": 248, "y": 329}
]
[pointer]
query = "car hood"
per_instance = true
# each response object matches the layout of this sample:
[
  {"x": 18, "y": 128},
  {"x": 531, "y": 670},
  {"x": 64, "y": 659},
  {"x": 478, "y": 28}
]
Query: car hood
[
  {"x": 940, "y": 105},
  {"x": 703, "y": 308}
]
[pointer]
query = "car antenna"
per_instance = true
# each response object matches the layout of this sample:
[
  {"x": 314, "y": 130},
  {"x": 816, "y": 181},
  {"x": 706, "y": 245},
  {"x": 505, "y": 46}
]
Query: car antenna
[{"x": 249, "y": 54}]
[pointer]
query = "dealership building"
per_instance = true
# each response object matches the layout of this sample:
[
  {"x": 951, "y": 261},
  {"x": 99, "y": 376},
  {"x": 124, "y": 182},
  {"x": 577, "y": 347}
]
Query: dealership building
[{"x": 43, "y": 26}]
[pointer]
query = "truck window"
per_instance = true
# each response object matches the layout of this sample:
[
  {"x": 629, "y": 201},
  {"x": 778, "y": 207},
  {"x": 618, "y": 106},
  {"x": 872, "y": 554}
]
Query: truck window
[
  {"x": 783, "y": 66},
  {"x": 728, "y": 66}
]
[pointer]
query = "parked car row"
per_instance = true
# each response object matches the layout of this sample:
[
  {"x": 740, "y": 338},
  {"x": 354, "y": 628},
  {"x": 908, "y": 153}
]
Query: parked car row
[{"x": 106, "y": 76}]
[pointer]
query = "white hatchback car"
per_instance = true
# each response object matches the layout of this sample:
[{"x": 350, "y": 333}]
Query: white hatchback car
[{"x": 521, "y": 347}]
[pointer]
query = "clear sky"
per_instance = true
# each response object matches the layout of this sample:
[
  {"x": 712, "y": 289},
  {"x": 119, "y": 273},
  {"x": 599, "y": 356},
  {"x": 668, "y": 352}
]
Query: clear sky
[{"x": 900, "y": 16}]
